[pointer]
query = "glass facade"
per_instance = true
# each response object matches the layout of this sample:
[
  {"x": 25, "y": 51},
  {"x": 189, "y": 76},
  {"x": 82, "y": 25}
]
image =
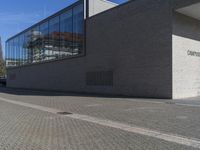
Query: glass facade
[{"x": 59, "y": 36}]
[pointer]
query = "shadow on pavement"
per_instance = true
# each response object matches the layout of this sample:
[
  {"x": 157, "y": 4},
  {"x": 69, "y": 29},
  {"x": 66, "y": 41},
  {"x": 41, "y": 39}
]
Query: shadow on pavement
[{"x": 16, "y": 91}]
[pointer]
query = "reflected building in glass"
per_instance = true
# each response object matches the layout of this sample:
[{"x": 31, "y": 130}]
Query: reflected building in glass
[{"x": 57, "y": 37}]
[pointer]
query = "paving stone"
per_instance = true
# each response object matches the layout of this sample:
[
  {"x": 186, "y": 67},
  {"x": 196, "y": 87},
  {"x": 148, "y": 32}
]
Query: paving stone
[{"x": 23, "y": 128}]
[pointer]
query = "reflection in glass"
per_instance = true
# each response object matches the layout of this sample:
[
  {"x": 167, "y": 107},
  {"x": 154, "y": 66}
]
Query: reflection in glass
[
  {"x": 21, "y": 48},
  {"x": 66, "y": 34},
  {"x": 17, "y": 52},
  {"x": 58, "y": 37},
  {"x": 44, "y": 35},
  {"x": 78, "y": 25},
  {"x": 28, "y": 47},
  {"x": 35, "y": 44},
  {"x": 54, "y": 38}
]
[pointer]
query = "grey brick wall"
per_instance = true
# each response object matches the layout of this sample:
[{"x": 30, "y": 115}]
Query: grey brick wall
[{"x": 135, "y": 42}]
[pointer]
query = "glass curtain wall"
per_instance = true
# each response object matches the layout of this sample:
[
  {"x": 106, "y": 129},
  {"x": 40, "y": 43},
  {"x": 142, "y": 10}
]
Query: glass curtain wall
[{"x": 58, "y": 37}]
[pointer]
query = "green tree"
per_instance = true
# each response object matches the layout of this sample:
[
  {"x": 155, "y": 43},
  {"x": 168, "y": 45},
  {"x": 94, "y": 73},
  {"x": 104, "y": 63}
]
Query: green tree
[{"x": 2, "y": 68}]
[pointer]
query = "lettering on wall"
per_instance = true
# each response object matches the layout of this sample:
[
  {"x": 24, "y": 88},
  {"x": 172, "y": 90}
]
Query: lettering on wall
[{"x": 193, "y": 53}]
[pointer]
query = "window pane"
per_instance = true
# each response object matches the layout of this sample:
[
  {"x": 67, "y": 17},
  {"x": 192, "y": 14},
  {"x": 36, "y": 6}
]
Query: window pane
[
  {"x": 35, "y": 44},
  {"x": 44, "y": 35},
  {"x": 78, "y": 28},
  {"x": 12, "y": 59},
  {"x": 21, "y": 42},
  {"x": 54, "y": 38},
  {"x": 10, "y": 53},
  {"x": 27, "y": 48},
  {"x": 29, "y": 52},
  {"x": 7, "y": 53},
  {"x": 23, "y": 49},
  {"x": 17, "y": 51},
  {"x": 66, "y": 34}
]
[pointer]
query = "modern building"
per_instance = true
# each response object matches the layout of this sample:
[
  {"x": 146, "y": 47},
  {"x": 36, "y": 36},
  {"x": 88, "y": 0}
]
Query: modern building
[{"x": 143, "y": 48}]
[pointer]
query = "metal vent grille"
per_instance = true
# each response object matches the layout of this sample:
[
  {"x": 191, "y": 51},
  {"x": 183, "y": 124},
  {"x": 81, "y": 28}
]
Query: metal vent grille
[{"x": 99, "y": 78}]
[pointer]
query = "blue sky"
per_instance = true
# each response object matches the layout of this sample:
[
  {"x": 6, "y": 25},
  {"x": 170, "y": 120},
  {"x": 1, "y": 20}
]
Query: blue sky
[{"x": 17, "y": 15}]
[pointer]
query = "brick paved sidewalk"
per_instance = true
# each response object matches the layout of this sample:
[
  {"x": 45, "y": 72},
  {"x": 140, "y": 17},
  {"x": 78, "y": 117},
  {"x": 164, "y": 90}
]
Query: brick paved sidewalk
[{"x": 26, "y": 128}]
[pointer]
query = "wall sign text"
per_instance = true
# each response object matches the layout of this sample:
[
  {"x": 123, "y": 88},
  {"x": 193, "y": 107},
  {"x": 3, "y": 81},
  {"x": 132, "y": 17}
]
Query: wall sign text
[{"x": 193, "y": 53}]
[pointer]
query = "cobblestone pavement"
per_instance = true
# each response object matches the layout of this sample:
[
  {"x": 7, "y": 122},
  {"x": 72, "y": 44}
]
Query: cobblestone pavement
[{"x": 23, "y": 128}]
